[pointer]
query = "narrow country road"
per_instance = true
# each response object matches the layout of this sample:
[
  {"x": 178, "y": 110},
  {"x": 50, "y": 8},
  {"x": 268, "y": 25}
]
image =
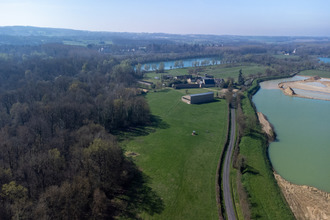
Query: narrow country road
[{"x": 225, "y": 176}]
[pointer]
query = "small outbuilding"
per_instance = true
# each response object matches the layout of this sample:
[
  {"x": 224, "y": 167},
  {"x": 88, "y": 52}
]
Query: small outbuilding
[{"x": 198, "y": 98}]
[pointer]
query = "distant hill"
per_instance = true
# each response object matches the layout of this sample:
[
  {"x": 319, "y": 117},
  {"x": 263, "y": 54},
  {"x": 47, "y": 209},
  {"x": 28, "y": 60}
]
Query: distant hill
[
  {"x": 38, "y": 31},
  {"x": 38, "y": 35}
]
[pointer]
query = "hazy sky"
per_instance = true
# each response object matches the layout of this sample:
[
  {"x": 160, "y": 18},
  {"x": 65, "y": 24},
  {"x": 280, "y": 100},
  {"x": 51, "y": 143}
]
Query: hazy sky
[{"x": 235, "y": 17}]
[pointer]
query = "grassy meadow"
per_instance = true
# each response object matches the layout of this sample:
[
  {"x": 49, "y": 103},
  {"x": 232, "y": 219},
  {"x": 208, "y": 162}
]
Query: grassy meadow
[
  {"x": 222, "y": 71},
  {"x": 182, "y": 167}
]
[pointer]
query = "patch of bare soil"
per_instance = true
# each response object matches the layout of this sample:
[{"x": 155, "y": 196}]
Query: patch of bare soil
[
  {"x": 289, "y": 91},
  {"x": 306, "y": 202},
  {"x": 131, "y": 154}
]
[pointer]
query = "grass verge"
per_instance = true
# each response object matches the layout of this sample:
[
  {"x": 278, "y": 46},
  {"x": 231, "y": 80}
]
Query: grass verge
[{"x": 233, "y": 176}]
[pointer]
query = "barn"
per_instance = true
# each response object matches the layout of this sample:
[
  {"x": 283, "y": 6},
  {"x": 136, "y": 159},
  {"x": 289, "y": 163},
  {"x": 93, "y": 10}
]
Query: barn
[{"x": 198, "y": 98}]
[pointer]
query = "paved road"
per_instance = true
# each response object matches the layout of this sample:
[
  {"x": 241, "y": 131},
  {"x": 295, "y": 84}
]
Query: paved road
[{"x": 225, "y": 176}]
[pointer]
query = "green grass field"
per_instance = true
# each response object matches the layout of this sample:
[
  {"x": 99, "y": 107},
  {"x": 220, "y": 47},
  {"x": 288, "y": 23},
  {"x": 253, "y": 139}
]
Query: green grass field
[
  {"x": 182, "y": 167},
  {"x": 265, "y": 196},
  {"x": 150, "y": 76},
  {"x": 221, "y": 71},
  {"x": 320, "y": 73}
]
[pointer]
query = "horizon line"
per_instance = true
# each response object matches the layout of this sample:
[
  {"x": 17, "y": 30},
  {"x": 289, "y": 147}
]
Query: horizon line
[{"x": 166, "y": 33}]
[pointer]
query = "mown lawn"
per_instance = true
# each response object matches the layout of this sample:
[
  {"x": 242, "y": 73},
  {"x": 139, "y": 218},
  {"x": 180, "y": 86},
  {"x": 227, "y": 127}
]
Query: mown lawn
[
  {"x": 265, "y": 196},
  {"x": 182, "y": 167}
]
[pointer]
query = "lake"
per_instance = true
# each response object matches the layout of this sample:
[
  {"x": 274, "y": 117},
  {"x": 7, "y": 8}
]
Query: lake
[
  {"x": 186, "y": 62},
  {"x": 301, "y": 153}
]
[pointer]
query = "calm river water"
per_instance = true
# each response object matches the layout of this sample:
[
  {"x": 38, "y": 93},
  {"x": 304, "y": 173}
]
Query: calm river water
[
  {"x": 186, "y": 62},
  {"x": 302, "y": 152}
]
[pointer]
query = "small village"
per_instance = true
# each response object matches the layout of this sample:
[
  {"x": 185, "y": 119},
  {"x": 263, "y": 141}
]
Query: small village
[{"x": 217, "y": 87}]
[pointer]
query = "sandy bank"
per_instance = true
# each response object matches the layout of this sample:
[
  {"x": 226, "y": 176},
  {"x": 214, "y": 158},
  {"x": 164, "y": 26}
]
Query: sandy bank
[
  {"x": 305, "y": 202},
  {"x": 266, "y": 126},
  {"x": 313, "y": 84}
]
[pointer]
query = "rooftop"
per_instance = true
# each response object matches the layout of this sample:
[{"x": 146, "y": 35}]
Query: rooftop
[{"x": 201, "y": 94}]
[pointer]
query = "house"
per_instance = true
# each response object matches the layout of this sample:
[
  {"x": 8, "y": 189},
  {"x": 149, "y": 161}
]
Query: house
[
  {"x": 208, "y": 82},
  {"x": 208, "y": 76},
  {"x": 145, "y": 83},
  {"x": 193, "y": 80},
  {"x": 198, "y": 98},
  {"x": 183, "y": 77}
]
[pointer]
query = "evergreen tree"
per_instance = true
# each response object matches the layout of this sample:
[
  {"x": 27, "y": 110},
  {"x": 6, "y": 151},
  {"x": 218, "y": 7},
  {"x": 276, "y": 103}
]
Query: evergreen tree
[{"x": 240, "y": 78}]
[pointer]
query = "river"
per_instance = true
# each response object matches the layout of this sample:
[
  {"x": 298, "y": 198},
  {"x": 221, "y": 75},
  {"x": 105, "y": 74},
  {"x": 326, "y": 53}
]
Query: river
[
  {"x": 186, "y": 62},
  {"x": 325, "y": 60},
  {"x": 301, "y": 153}
]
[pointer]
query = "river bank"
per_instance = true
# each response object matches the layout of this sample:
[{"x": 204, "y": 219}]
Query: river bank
[{"x": 266, "y": 126}]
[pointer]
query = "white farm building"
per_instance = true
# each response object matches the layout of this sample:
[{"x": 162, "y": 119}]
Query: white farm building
[{"x": 198, "y": 98}]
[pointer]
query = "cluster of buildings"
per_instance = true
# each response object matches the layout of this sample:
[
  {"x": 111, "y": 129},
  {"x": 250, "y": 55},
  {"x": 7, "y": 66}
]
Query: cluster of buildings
[
  {"x": 197, "y": 82},
  {"x": 189, "y": 81}
]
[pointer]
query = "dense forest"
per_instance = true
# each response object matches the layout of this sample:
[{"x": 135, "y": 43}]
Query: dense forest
[{"x": 59, "y": 158}]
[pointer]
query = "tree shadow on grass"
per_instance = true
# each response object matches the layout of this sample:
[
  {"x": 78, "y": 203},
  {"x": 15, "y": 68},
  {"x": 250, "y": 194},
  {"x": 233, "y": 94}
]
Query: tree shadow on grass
[
  {"x": 254, "y": 134},
  {"x": 157, "y": 122},
  {"x": 141, "y": 198},
  {"x": 255, "y": 215},
  {"x": 250, "y": 169}
]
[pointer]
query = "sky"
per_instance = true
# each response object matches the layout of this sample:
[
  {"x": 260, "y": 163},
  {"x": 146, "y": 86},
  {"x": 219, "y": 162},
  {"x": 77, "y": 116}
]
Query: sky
[{"x": 230, "y": 17}]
